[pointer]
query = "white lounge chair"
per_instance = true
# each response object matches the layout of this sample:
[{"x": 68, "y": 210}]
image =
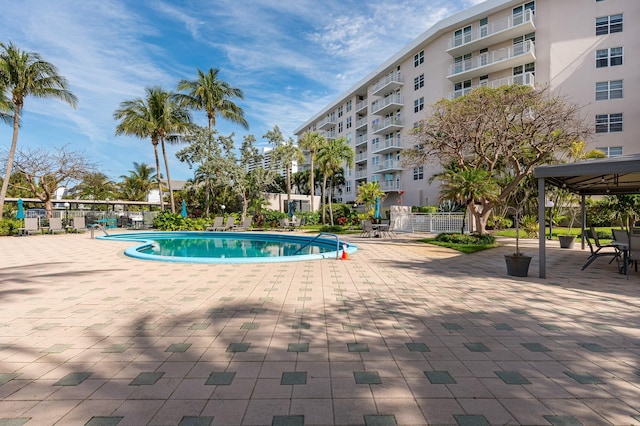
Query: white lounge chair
[
  {"x": 55, "y": 225},
  {"x": 245, "y": 226},
  {"x": 31, "y": 226},
  {"x": 230, "y": 223},
  {"x": 217, "y": 224},
  {"x": 79, "y": 224}
]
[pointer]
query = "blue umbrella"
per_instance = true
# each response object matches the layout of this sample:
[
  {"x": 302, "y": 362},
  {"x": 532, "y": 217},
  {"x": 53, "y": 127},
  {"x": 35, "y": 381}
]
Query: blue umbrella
[
  {"x": 183, "y": 213},
  {"x": 290, "y": 208},
  {"x": 376, "y": 214},
  {"x": 20, "y": 213}
]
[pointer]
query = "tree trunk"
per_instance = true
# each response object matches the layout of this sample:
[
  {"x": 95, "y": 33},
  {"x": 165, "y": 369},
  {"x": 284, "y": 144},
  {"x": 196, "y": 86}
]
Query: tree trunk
[
  {"x": 324, "y": 199},
  {"x": 12, "y": 153},
  {"x": 154, "y": 142},
  {"x": 330, "y": 203},
  {"x": 166, "y": 166},
  {"x": 207, "y": 196},
  {"x": 312, "y": 186}
]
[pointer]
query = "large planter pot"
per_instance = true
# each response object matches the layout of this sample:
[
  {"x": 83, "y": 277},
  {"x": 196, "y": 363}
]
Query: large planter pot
[
  {"x": 566, "y": 241},
  {"x": 517, "y": 266}
]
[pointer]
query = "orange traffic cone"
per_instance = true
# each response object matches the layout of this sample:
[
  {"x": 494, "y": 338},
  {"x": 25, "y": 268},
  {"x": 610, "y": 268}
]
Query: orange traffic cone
[{"x": 345, "y": 256}]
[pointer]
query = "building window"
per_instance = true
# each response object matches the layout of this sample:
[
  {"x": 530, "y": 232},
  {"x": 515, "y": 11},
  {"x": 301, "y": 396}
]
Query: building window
[
  {"x": 609, "y": 57},
  {"x": 524, "y": 38},
  {"x": 418, "y": 82},
  {"x": 484, "y": 80},
  {"x": 340, "y": 112},
  {"x": 418, "y": 104},
  {"x": 609, "y": 24},
  {"x": 606, "y": 90},
  {"x": 349, "y": 105},
  {"x": 348, "y": 122},
  {"x": 608, "y": 123},
  {"x": 340, "y": 127},
  {"x": 418, "y": 58},
  {"x": 484, "y": 27},
  {"x": 462, "y": 36},
  {"x": 611, "y": 151},
  {"x": 418, "y": 173},
  {"x": 348, "y": 187},
  {"x": 519, "y": 13}
]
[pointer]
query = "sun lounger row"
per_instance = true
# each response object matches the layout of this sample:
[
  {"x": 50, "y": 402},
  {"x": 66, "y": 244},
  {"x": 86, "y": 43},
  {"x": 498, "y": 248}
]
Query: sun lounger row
[
  {"x": 220, "y": 225},
  {"x": 32, "y": 226}
]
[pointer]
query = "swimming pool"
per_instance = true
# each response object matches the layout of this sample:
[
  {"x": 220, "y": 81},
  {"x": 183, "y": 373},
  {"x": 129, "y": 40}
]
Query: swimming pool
[{"x": 229, "y": 247}]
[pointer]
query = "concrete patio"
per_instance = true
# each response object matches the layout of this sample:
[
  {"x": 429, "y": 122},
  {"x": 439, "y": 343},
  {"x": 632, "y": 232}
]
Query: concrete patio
[{"x": 401, "y": 333}]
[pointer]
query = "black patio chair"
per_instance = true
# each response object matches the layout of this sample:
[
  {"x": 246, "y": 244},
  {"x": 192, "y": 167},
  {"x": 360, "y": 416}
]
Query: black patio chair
[{"x": 602, "y": 250}]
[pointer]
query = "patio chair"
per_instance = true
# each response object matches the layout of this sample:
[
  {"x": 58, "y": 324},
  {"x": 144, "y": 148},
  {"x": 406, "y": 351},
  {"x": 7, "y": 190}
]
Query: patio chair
[
  {"x": 596, "y": 253},
  {"x": 367, "y": 228},
  {"x": 31, "y": 226},
  {"x": 245, "y": 225},
  {"x": 55, "y": 225},
  {"x": 634, "y": 249},
  {"x": 229, "y": 225},
  {"x": 79, "y": 224},
  {"x": 217, "y": 224}
]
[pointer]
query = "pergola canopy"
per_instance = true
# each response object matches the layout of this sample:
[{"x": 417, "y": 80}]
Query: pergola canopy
[{"x": 602, "y": 176}]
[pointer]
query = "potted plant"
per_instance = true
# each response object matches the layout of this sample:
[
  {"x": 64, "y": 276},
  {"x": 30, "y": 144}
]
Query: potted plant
[
  {"x": 518, "y": 262},
  {"x": 566, "y": 241}
]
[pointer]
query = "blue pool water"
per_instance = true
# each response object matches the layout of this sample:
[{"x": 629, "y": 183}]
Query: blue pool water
[{"x": 229, "y": 247}]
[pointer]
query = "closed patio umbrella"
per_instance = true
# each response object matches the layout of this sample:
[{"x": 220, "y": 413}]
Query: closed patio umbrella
[
  {"x": 20, "y": 212},
  {"x": 290, "y": 209},
  {"x": 183, "y": 213},
  {"x": 376, "y": 214}
]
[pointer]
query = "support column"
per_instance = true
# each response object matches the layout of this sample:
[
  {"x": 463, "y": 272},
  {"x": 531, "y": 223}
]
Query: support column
[{"x": 542, "y": 256}]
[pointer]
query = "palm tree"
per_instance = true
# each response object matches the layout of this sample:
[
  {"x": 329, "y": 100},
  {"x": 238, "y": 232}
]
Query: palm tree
[
  {"x": 25, "y": 74},
  {"x": 466, "y": 187},
  {"x": 331, "y": 157},
  {"x": 312, "y": 143},
  {"x": 158, "y": 117},
  {"x": 210, "y": 94},
  {"x": 367, "y": 194},
  {"x": 96, "y": 186},
  {"x": 139, "y": 182}
]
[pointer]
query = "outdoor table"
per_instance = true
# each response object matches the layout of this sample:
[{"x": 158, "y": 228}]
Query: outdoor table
[
  {"x": 380, "y": 229},
  {"x": 624, "y": 248}
]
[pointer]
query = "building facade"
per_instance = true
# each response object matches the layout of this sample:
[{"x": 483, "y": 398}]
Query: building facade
[{"x": 583, "y": 50}]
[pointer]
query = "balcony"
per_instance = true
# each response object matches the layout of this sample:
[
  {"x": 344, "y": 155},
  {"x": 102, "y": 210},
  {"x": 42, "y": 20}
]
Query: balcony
[
  {"x": 388, "y": 166},
  {"x": 496, "y": 60},
  {"x": 386, "y": 105},
  {"x": 361, "y": 157},
  {"x": 388, "y": 84},
  {"x": 329, "y": 135},
  {"x": 388, "y": 125},
  {"x": 361, "y": 174},
  {"x": 390, "y": 186},
  {"x": 526, "y": 79},
  {"x": 361, "y": 106},
  {"x": 361, "y": 123},
  {"x": 388, "y": 145},
  {"x": 361, "y": 140},
  {"x": 326, "y": 123},
  {"x": 498, "y": 31}
]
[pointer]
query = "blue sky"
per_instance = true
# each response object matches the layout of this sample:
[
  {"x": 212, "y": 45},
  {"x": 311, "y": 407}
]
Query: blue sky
[{"x": 290, "y": 58}]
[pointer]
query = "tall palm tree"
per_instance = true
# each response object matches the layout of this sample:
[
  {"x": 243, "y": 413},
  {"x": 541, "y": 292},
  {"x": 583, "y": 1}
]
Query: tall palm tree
[
  {"x": 139, "y": 182},
  {"x": 312, "y": 143},
  {"x": 213, "y": 96},
  {"x": 331, "y": 157},
  {"x": 25, "y": 74},
  {"x": 96, "y": 186},
  {"x": 160, "y": 117}
]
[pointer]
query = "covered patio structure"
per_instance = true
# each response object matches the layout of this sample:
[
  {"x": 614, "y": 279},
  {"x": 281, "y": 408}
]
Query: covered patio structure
[{"x": 604, "y": 176}]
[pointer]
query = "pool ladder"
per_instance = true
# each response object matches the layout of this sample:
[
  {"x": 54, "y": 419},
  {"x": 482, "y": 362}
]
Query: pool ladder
[{"x": 318, "y": 236}]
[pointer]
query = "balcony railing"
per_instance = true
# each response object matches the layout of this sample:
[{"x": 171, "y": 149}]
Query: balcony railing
[
  {"x": 388, "y": 165},
  {"x": 498, "y": 57},
  {"x": 362, "y": 156},
  {"x": 361, "y": 123},
  {"x": 387, "y": 84},
  {"x": 360, "y": 174},
  {"x": 326, "y": 123},
  {"x": 387, "y": 123},
  {"x": 502, "y": 27},
  {"x": 361, "y": 139},
  {"x": 526, "y": 79},
  {"x": 381, "y": 105},
  {"x": 361, "y": 105},
  {"x": 329, "y": 135},
  {"x": 390, "y": 186},
  {"x": 388, "y": 145}
]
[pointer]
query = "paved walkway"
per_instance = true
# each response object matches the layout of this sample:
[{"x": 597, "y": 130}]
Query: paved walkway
[{"x": 401, "y": 333}]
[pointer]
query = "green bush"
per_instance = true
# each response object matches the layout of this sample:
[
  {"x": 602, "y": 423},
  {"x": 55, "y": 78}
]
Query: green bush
[
  {"x": 424, "y": 209},
  {"x": 167, "y": 221},
  {"x": 499, "y": 222},
  {"x": 309, "y": 218},
  {"x": 477, "y": 239},
  {"x": 9, "y": 226},
  {"x": 529, "y": 225},
  {"x": 331, "y": 229},
  {"x": 272, "y": 217}
]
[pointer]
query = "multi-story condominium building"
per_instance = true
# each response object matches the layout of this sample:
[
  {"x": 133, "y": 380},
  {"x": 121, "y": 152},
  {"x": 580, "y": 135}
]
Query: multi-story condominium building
[
  {"x": 265, "y": 163},
  {"x": 584, "y": 50}
]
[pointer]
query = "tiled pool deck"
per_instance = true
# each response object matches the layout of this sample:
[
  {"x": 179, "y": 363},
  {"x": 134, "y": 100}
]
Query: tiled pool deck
[{"x": 401, "y": 333}]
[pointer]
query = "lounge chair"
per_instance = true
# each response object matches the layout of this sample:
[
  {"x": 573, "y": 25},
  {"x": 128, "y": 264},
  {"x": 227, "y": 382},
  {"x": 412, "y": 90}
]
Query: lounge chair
[
  {"x": 601, "y": 250},
  {"x": 217, "y": 224},
  {"x": 367, "y": 229},
  {"x": 245, "y": 226},
  {"x": 31, "y": 226},
  {"x": 55, "y": 225},
  {"x": 229, "y": 224},
  {"x": 79, "y": 224}
]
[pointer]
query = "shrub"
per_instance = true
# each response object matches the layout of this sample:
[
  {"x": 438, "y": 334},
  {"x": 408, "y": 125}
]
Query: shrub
[
  {"x": 9, "y": 226},
  {"x": 272, "y": 217},
  {"x": 477, "y": 239},
  {"x": 342, "y": 220},
  {"x": 424, "y": 209},
  {"x": 309, "y": 218},
  {"x": 499, "y": 222},
  {"x": 167, "y": 221},
  {"x": 331, "y": 229},
  {"x": 529, "y": 225}
]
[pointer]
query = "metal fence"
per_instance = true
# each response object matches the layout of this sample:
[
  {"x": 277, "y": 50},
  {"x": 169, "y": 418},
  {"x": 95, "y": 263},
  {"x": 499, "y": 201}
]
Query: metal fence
[{"x": 430, "y": 222}]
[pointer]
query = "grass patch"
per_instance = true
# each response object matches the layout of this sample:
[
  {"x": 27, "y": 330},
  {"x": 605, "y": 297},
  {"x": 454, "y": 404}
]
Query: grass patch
[{"x": 463, "y": 243}]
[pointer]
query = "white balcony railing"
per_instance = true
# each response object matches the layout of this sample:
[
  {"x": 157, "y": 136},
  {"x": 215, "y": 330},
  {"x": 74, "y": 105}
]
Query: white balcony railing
[
  {"x": 361, "y": 139},
  {"x": 361, "y": 156},
  {"x": 389, "y": 165},
  {"x": 390, "y": 185},
  {"x": 387, "y": 122},
  {"x": 526, "y": 79},
  {"x": 492, "y": 28},
  {"x": 493, "y": 57},
  {"x": 326, "y": 123},
  {"x": 383, "y": 103},
  {"x": 361, "y": 105},
  {"x": 392, "y": 80},
  {"x": 360, "y": 174},
  {"x": 388, "y": 145},
  {"x": 361, "y": 122}
]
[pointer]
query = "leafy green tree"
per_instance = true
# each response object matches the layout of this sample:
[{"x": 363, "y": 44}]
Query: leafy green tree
[
  {"x": 312, "y": 142},
  {"x": 367, "y": 193},
  {"x": 214, "y": 96},
  {"x": 331, "y": 158},
  {"x": 158, "y": 117},
  {"x": 139, "y": 182},
  {"x": 24, "y": 74},
  {"x": 284, "y": 154},
  {"x": 507, "y": 131},
  {"x": 96, "y": 186}
]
